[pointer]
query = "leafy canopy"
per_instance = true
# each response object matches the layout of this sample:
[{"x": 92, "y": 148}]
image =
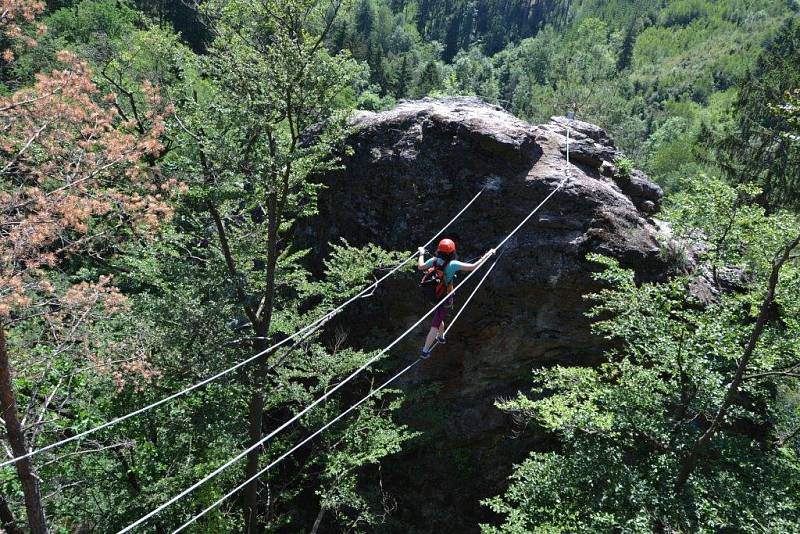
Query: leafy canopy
[{"x": 623, "y": 430}]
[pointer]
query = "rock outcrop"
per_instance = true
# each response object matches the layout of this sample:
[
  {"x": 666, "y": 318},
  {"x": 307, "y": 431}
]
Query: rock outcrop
[{"x": 411, "y": 170}]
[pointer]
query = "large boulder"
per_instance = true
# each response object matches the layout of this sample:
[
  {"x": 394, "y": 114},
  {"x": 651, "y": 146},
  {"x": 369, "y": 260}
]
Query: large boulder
[{"x": 411, "y": 169}]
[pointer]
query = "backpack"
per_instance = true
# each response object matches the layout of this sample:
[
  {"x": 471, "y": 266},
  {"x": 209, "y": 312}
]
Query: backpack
[{"x": 433, "y": 284}]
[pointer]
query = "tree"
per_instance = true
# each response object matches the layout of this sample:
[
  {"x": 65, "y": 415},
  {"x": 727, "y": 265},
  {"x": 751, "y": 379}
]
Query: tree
[
  {"x": 473, "y": 74},
  {"x": 678, "y": 430},
  {"x": 16, "y": 19},
  {"x": 403, "y": 78},
  {"x": 453, "y": 36},
  {"x": 755, "y": 149},
  {"x": 75, "y": 176},
  {"x": 181, "y": 16},
  {"x": 365, "y": 18},
  {"x": 250, "y": 154},
  {"x": 430, "y": 78},
  {"x": 626, "y": 52}
]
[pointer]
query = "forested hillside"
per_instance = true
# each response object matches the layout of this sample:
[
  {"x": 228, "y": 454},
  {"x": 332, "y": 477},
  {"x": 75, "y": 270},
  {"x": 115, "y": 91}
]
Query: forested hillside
[
  {"x": 204, "y": 207},
  {"x": 656, "y": 74}
]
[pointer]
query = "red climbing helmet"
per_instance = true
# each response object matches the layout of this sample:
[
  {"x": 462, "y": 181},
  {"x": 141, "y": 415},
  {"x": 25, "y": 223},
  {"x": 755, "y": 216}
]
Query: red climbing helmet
[{"x": 447, "y": 246}]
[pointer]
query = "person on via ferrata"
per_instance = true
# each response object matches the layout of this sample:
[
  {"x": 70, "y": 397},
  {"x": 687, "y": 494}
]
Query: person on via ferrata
[{"x": 437, "y": 284}]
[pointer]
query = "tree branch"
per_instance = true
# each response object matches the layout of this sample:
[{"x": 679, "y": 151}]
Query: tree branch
[
  {"x": 19, "y": 154},
  {"x": 690, "y": 461},
  {"x": 131, "y": 100},
  {"x": 788, "y": 372},
  {"x": 7, "y": 521},
  {"x": 230, "y": 263},
  {"x": 788, "y": 437},
  {"x": 88, "y": 451},
  {"x": 14, "y": 105}
]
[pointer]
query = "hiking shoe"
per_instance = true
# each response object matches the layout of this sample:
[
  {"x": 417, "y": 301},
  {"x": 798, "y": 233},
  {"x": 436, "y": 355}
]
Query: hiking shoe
[
  {"x": 440, "y": 339},
  {"x": 424, "y": 354}
]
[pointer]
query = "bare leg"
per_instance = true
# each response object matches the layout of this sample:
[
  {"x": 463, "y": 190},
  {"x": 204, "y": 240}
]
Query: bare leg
[{"x": 431, "y": 338}]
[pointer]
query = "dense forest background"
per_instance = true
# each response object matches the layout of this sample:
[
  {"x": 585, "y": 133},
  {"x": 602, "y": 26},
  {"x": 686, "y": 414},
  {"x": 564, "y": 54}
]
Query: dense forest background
[
  {"x": 146, "y": 209},
  {"x": 663, "y": 77}
]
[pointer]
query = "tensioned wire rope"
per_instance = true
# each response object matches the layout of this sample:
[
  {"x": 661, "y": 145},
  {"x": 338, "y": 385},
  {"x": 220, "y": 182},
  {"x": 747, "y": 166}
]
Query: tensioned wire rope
[
  {"x": 335, "y": 388},
  {"x": 304, "y": 332},
  {"x": 341, "y": 415},
  {"x": 407, "y": 368}
]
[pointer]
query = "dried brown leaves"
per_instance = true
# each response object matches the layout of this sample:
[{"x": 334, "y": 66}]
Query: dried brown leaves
[
  {"x": 72, "y": 170},
  {"x": 15, "y": 18}
]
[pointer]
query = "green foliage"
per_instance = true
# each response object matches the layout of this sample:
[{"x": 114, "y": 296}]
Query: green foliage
[
  {"x": 430, "y": 78},
  {"x": 180, "y": 18},
  {"x": 240, "y": 151},
  {"x": 559, "y": 73},
  {"x": 662, "y": 77},
  {"x": 370, "y": 101},
  {"x": 624, "y": 428},
  {"x": 348, "y": 267},
  {"x": 90, "y": 27},
  {"x": 726, "y": 218},
  {"x": 233, "y": 141},
  {"x": 390, "y": 45},
  {"x": 791, "y": 112},
  {"x": 683, "y": 12},
  {"x": 630, "y": 77},
  {"x": 473, "y": 74},
  {"x": 91, "y": 20},
  {"x": 625, "y": 166},
  {"x": 755, "y": 148},
  {"x": 493, "y": 23}
]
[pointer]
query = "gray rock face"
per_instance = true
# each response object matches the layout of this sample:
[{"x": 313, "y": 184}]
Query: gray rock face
[{"x": 411, "y": 170}]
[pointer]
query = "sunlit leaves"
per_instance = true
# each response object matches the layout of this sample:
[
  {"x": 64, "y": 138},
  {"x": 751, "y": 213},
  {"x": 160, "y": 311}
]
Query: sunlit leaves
[{"x": 624, "y": 427}]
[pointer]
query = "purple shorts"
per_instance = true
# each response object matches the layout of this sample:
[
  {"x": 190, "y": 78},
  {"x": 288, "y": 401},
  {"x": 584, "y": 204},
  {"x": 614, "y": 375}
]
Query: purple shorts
[{"x": 441, "y": 313}]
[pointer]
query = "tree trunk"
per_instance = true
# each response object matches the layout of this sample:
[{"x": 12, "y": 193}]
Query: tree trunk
[
  {"x": 7, "y": 522},
  {"x": 16, "y": 438},
  {"x": 318, "y": 521},
  {"x": 274, "y": 212},
  {"x": 261, "y": 329},
  {"x": 255, "y": 420},
  {"x": 693, "y": 456}
]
